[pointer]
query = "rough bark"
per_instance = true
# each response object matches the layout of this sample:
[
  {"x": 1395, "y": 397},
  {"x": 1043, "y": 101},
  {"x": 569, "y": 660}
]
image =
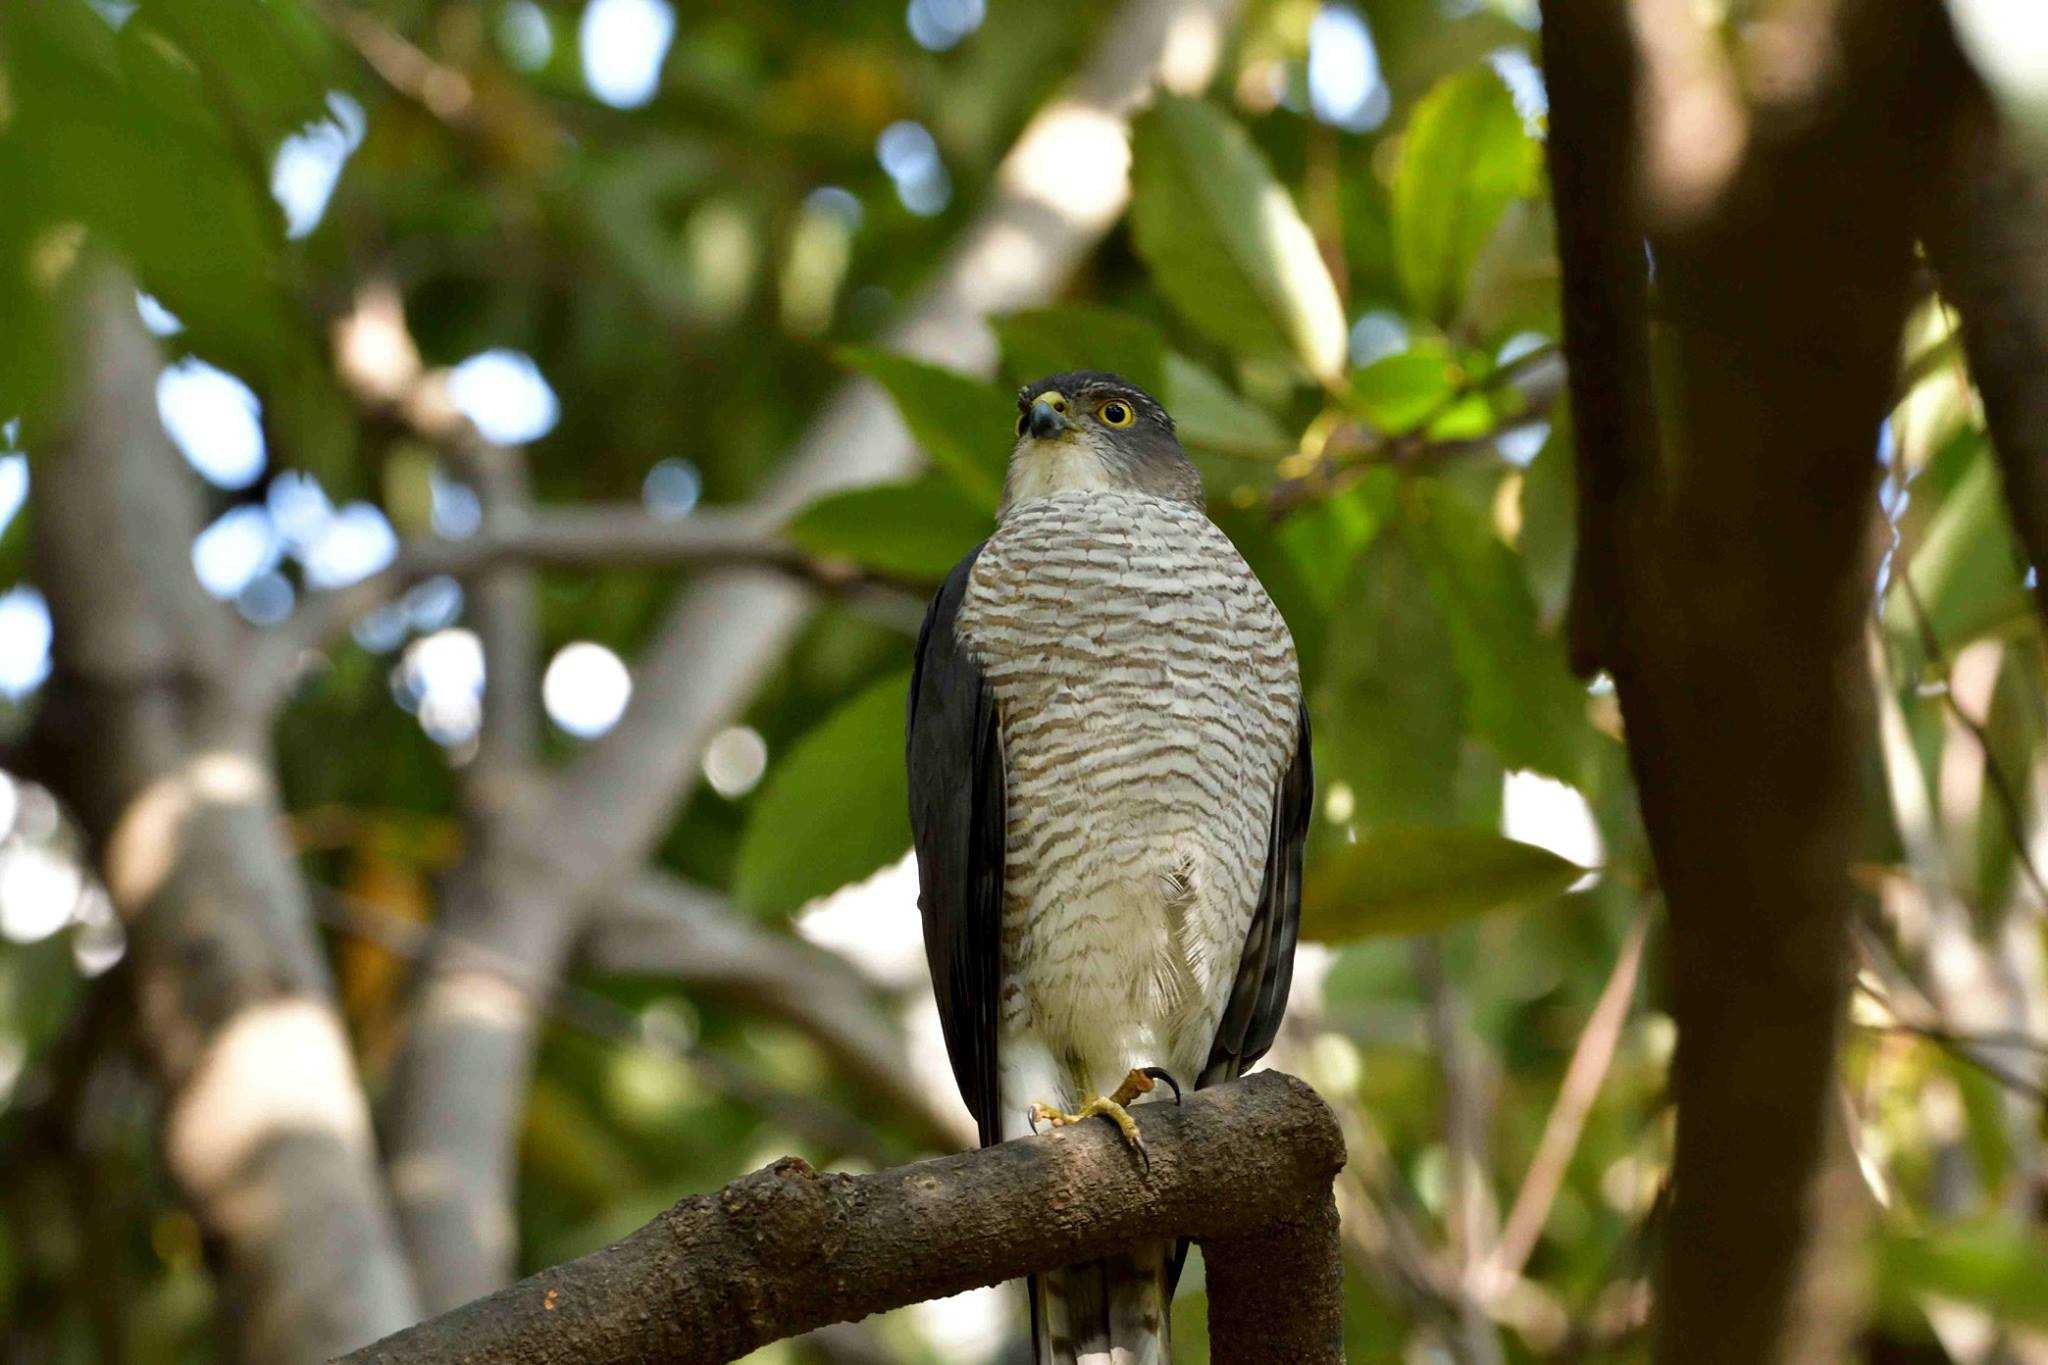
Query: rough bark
[
  {"x": 163, "y": 751},
  {"x": 1245, "y": 1169},
  {"x": 460, "y": 1080},
  {"x": 1734, "y": 634},
  {"x": 1986, "y": 230}
]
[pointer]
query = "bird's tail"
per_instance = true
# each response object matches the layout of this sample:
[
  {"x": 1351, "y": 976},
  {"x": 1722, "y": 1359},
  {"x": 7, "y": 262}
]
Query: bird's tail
[{"x": 1107, "y": 1312}]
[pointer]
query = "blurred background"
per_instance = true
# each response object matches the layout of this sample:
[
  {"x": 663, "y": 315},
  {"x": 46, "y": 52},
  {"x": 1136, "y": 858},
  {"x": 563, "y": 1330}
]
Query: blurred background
[{"x": 471, "y": 472}]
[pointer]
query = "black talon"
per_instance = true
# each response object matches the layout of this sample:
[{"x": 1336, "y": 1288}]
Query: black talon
[
  {"x": 1160, "y": 1073},
  {"x": 1031, "y": 1117}
]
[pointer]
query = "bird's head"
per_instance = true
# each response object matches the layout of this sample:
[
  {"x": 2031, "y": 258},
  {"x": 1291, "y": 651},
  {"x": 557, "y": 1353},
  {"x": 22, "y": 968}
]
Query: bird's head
[{"x": 1089, "y": 430}]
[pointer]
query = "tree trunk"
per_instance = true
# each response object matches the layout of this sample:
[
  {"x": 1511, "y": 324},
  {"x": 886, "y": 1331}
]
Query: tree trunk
[{"x": 162, "y": 750}]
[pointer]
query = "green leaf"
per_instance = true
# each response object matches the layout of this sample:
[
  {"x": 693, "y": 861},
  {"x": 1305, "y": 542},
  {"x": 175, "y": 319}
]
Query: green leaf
[
  {"x": 1993, "y": 1266},
  {"x": 1521, "y": 696},
  {"x": 1464, "y": 159},
  {"x": 1398, "y": 393},
  {"x": 916, "y": 530},
  {"x": 966, "y": 425},
  {"x": 1421, "y": 878},
  {"x": 1550, "y": 522},
  {"x": 1209, "y": 416},
  {"x": 833, "y": 809},
  {"x": 1390, "y": 723},
  {"x": 269, "y": 63},
  {"x": 1045, "y": 341},
  {"x": 133, "y": 150},
  {"x": 1226, "y": 244},
  {"x": 1325, "y": 538},
  {"x": 1968, "y": 568}
]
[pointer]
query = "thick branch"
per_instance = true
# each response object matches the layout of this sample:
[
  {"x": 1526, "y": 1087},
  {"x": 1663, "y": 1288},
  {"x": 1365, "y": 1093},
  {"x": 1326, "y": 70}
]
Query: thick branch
[
  {"x": 1987, "y": 234},
  {"x": 1731, "y": 578},
  {"x": 1244, "y": 1168}
]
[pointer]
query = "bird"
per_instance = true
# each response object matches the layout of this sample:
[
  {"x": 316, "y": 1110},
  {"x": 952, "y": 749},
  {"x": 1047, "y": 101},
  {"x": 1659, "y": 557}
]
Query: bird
[{"x": 1110, "y": 788}]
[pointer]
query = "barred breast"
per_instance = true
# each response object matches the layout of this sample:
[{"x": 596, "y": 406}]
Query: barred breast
[{"x": 1147, "y": 690}]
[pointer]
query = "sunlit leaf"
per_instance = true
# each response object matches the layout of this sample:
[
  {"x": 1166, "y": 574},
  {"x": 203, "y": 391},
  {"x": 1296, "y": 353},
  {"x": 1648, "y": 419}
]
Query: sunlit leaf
[
  {"x": 1408, "y": 879},
  {"x": 135, "y": 151},
  {"x": 966, "y": 425},
  {"x": 916, "y": 530},
  {"x": 1398, "y": 393},
  {"x": 1464, "y": 159},
  {"x": 1225, "y": 242},
  {"x": 834, "y": 808}
]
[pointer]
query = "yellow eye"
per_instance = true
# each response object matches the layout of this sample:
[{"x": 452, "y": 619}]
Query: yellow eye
[
  {"x": 1020, "y": 423},
  {"x": 1116, "y": 413}
]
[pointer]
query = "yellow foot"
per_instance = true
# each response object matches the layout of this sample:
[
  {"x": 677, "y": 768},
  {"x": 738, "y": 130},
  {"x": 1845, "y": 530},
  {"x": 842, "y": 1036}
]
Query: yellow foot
[{"x": 1138, "y": 1082}]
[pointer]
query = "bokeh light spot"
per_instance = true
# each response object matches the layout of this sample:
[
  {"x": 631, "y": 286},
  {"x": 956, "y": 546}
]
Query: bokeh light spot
[
  {"x": 24, "y": 642},
  {"x": 504, "y": 394},
  {"x": 735, "y": 760},
  {"x": 586, "y": 688},
  {"x": 624, "y": 43},
  {"x": 215, "y": 421},
  {"x": 1345, "y": 87}
]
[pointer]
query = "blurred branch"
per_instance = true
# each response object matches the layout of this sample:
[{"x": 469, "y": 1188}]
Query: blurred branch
[
  {"x": 1470, "y": 1211},
  {"x": 658, "y": 926},
  {"x": 603, "y": 1018},
  {"x": 598, "y": 819},
  {"x": 1591, "y": 69},
  {"x": 1986, "y": 230},
  {"x": 162, "y": 748},
  {"x": 1383, "y": 1230},
  {"x": 1722, "y": 580},
  {"x": 441, "y": 90},
  {"x": 589, "y": 536},
  {"x": 1575, "y": 1095},
  {"x": 2003, "y": 789},
  {"x": 1243, "y": 1168}
]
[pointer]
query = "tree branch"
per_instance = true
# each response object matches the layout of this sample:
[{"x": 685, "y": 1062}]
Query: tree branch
[
  {"x": 656, "y": 925},
  {"x": 1243, "y": 1168},
  {"x": 161, "y": 746},
  {"x": 1734, "y": 634},
  {"x": 1986, "y": 232}
]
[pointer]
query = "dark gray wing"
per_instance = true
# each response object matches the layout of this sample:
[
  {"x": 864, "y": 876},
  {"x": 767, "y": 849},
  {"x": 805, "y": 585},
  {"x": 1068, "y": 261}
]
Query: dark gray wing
[
  {"x": 1259, "y": 995},
  {"x": 954, "y": 753}
]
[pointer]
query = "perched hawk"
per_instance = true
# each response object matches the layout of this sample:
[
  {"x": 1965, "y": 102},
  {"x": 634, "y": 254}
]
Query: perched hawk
[{"x": 1109, "y": 790}]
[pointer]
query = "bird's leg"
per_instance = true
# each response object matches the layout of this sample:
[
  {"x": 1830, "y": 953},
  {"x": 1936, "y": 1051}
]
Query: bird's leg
[{"x": 1139, "y": 1081}]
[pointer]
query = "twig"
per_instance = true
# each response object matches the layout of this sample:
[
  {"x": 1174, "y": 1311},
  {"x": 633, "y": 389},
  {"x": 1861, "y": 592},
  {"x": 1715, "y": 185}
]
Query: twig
[
  {"x": 1538, "y": 377},
  {"x": 2001, "y": 782},
  {"x": 1561, "y": 1130},
  {"x": 600, "y": 1017}
]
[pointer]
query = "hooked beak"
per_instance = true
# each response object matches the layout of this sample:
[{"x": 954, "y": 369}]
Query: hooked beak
[{"x": 1044, "y": 421}]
